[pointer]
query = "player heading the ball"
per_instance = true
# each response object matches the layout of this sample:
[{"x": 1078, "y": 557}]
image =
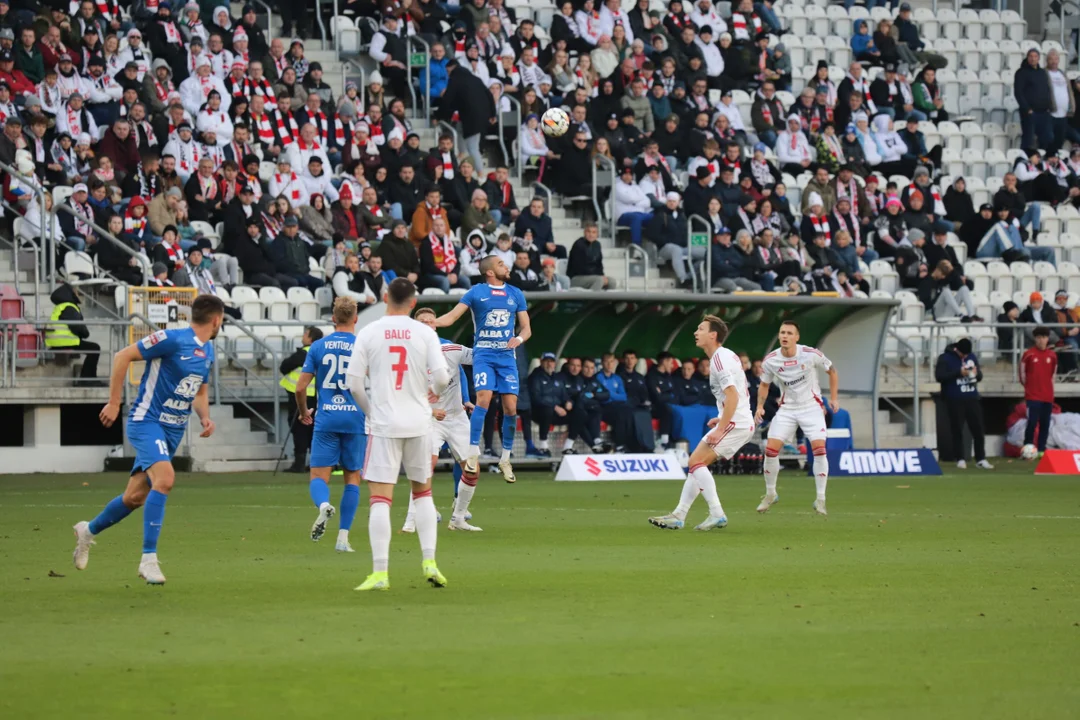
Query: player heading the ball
[{"x": 495, "y": 305}]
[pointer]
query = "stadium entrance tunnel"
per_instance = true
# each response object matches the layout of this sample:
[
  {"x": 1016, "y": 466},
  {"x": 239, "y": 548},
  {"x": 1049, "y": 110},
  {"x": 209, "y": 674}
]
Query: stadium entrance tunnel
[{"x": 850, "y": 331}]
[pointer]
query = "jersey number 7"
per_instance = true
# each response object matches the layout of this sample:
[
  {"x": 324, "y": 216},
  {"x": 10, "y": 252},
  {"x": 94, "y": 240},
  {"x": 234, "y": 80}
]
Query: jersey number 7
[{"x": 400, "y": 367}]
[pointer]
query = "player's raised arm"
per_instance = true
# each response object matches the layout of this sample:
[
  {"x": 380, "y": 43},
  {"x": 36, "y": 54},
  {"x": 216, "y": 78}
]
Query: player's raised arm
[
  {"x": 451, "y": 317},
  {"x": 201, "y": 406},
  {"x": 121, "y": 362}
]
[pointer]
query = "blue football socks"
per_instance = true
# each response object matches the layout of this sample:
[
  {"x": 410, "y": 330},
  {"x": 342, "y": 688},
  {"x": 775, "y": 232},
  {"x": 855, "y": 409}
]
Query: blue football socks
[
  {"x": 153, "y": 517},
  {"x": 350, "y": 500},
  {"x": 320, "y": 491},
  {"x": 476, "y": 424},
  {"x": 113, "y": 513},
  {"x": 509, "y": 427}
]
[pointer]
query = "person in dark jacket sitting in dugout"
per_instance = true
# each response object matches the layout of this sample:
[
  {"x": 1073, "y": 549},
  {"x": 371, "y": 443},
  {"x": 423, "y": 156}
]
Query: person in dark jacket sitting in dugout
[
  {"x": 637, "y": 398},
  {"x": 661, "y": 387},
  {"x": 551, "y": 403},
  {"x": 616, "y": 411}
]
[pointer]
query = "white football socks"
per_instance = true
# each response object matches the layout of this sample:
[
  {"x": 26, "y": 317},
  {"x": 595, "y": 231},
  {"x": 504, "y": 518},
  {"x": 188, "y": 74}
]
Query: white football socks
[
  {"x": 821, "y": 474},
  {"x": 567, "y": 444},
  {"x": 464, "y": 497},
  {"x": 542, "y": 444},
  {"x": 772, "y": 469},
  {"x": 505, "y": 455},
  {"x": 427, "y": 523},
  {"x": 707, "y": 484},
  {"x": 342, "y": 536},
  {"x": 690, "y": 491},
  {"x": 379, "y": 533}
]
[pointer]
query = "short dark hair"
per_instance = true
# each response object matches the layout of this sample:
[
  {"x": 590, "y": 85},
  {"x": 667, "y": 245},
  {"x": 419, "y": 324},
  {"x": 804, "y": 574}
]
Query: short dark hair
[
  {"x": 629, "y": 351},
  {"x": 487, "y": 264},
  {"x": 792, "y": 323},
  {"x": 205, "y": 307},
  {"x": 664, "y": 356},
  {"x": 1041, "y": 332},
  {"x": 717, "y": 326},
  {"x": 400, "y": 291},
  {"x": 423, "y": 311}
]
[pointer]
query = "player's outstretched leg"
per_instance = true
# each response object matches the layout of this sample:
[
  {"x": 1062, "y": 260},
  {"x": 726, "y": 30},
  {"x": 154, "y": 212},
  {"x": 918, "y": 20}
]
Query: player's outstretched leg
[
  {"x": 771, "y": 467},
  {"x": 162, "y": 478},
  {"x": 677, "y": 518},
  {"x": 460, "y": 516},
  {"x": 111, "y": 514},
  {"x": 476, "y": 431},
  {"x": 427, "y": 530},
  {"x": 320, "y": 495},
  {"x": 350, "y": 501},
  {"x": 821, "y": 478},
  {"x": 509, "y": 427},
  {"x": 379, "y": 536},
  {"x": 707, "y": 485}
]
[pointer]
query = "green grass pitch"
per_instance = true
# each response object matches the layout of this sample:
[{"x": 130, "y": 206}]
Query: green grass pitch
[{"x": 952, "y": 597}]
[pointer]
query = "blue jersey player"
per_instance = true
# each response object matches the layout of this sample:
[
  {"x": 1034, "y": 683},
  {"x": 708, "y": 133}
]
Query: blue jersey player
[
  {"x": 495, "y": 307},
  {"x": 339, "y": 437},
  {"x": 173, "y": 383}
]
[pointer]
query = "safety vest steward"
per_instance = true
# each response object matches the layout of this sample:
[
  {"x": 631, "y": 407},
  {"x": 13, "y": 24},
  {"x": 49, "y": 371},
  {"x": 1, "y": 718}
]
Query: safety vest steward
[
  {"x": 57, "y": 334},
  {"x": 289, "y": 381}
]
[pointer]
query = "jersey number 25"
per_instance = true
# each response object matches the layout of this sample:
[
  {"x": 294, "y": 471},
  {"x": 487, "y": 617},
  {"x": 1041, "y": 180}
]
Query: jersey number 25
[{"x": 336, "y": 365}]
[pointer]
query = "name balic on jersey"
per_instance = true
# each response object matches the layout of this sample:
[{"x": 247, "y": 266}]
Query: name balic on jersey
[{"x": 398, "y": 334}]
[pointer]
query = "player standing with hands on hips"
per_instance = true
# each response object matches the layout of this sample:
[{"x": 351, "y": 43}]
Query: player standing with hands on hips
[
  {"x": 729, "y": 433},
  {"x": 397, "y": 356},
  {"x": 173, "y": 384},
  {"x": 795, "y": 368},
  {"x": 495, "y": 306},
  {"x": 339, "y": 437}
]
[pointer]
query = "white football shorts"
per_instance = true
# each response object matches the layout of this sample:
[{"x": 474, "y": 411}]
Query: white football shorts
[
  {"x": 454, "y": 431},
  {"x": 385, "y": 456},
  {"x": 786, "y": 420},
  {"x": 725, "y": 443}
]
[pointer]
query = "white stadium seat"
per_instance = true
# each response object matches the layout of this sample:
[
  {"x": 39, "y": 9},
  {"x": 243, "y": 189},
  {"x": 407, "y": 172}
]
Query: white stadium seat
[
  {"x": 304, "y": 306},
  {"x": 1000, "y": 276},
  {"x": 246, "y": 300},
  {"x": 276, "y": 303}
]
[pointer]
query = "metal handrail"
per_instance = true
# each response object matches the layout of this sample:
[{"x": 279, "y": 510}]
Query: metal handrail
[
  {"x": 608, "y": 165},
  {"x": 48, "y": 246},
  {"x": 409, "y": 75},
  {"x": 15, "y": 250},
  {"x": 914, "y": 416},
  {"x": 514, "y": 163},
  {"x": 269, "y": 16},
  {"x": 273, "y": 427},
  {"x": 144, "y": 261},
  {"x": 361, "y": 86},
  {"x": 630, "y": 250},
  {"x": 318, "y": 19},
  {"x": 708, "y": 251}
]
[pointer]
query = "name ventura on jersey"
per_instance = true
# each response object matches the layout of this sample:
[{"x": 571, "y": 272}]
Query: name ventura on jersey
[{"x": 797, "y": 375}]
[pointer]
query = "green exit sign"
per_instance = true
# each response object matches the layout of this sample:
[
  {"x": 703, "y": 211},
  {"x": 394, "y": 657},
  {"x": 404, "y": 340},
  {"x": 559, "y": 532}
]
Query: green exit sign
[
  {"x": 418, "y": 60},
  {"x": 699, "y": 239}
]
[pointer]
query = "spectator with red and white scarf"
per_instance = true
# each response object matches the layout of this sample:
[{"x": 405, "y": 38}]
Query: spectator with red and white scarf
[{"x": 438, "y": 259}]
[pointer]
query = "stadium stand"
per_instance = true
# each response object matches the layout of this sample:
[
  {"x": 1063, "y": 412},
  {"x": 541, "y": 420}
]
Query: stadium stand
[{"x": 120, "y": 165}]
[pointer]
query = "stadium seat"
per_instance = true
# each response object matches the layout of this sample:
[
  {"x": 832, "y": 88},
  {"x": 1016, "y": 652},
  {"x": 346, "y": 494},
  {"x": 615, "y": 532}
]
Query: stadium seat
[
  {"x": 1024, "y": 278},
  {"x": 247, "y": 301},
  {"x": 278, "y": 308},
  {"x": 274, "y": 338},
  {"x": 1070, "y": 248},
  {"x": 1000, "y": 276},
  {"x": 929, "y": 27},
  {"x": 432, "y": 291},
  {"x": 1070, "y": 274},
  {"x": 983, "y": 307},
  {"x": 61, "y": 193},
  {"x": 223, "y": 293},
  {"x": 206, "y": 230},
  {"x": 1048, "y": 275},
  {"x": 246, "y": 353},
  {"x": 28, "y": 346},
  {"x": 304, "y": 306},
  {"x": 456, "y": 291},
  {"x": 266, "y": 171},
  {"x": 325, "y": 297},
  {"x": 11, "y": 303},
  {"x": 885, "y": 277},
  {"x": 976, "y": 272},
  {"x": 1015, "y": 25},
  {"x": 1051, "y": 223}
]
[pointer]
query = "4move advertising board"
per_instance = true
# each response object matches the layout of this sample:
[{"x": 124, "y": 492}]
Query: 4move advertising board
[
  {"x": 591, "y": 468},
  {"x": 883, "y": 462}
]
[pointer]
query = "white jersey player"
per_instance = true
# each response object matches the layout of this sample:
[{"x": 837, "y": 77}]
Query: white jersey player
[
  {"x": 402, "y": 362},
  {"x": 730, "y": 431},
  {"x": 450, "y": 425},
  {"x": 795, "y": 368}
]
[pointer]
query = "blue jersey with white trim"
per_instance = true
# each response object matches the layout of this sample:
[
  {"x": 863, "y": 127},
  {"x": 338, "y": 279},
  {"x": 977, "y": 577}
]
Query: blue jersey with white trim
[
  {"x": 494, "y": 312},
  {"x": 328, "y": 360},
  {"x": 177, "y": 364}
]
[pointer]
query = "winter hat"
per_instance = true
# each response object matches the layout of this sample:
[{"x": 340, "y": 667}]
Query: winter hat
[
  {"x": 159, "y": 268},
  {"x": 375, "y": 78},
  {"x": 893, "y": 201},
  {"x": 815, "y": 199}
]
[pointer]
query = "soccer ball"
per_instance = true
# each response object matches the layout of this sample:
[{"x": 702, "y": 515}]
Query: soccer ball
[
  {"x": 555, "y": 122},
  {"x": 1028, "y": 452}
]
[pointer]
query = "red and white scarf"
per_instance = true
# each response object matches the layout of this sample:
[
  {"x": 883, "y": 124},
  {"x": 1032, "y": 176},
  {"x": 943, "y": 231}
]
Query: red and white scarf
[
  {"x": 134, "y": 224},
  {"x": 75, "y": 120},
  {"x": 238, "y": 87},
  {"x": 264, "y": 130},
  {"x": 189, "y": 155},
  {"x": 447, "y": 166},
  {"x": 323, "y": 124},
  {"x": 209, "y": 188},
  {"x": 286, "y": 129},
  {"x": 742, "y": 28},
  {"x": 109, "y": 9},
  {"x": 849, "y": 190},
  {"x": 443, "y": 253},
  {"x": 821, "y": 227},
  {"x": 851, "y": 223},
  {"x": 876, "y": 201},
  {"x": 172, "y": 35},
  {"x": 291, "y": 182},
  {"x": 162, "y": 91},
  {"x": 151, "y": 138},
  {"x": 239, "y": 151},
  {"x": 176, "y": 253}
]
